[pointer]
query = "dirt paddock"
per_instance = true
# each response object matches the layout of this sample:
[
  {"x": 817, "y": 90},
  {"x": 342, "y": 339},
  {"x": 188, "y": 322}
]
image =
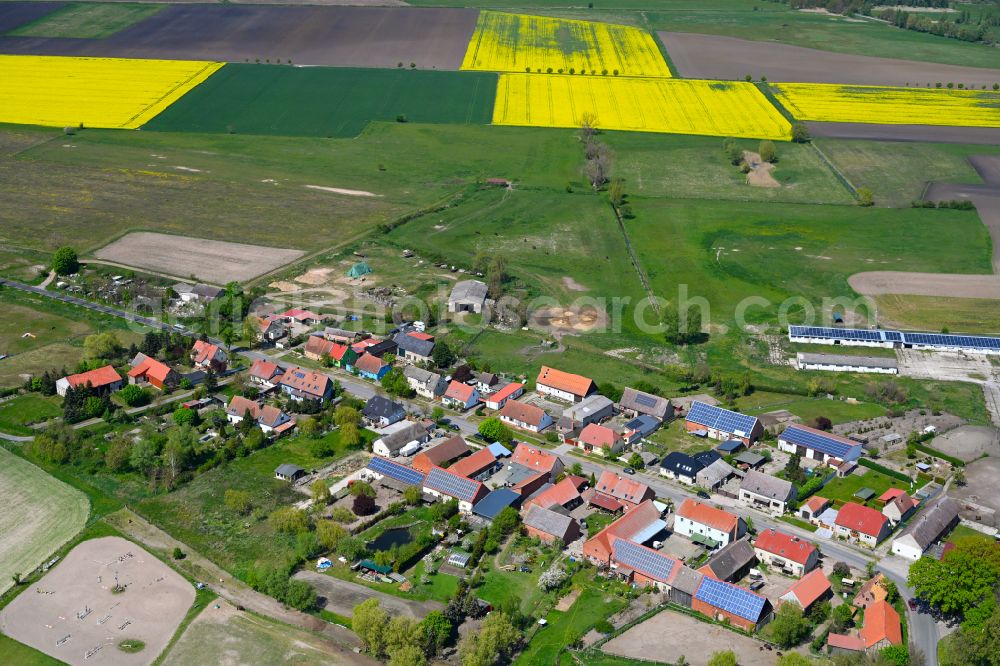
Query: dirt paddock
[
  {"x": 72, "y": 611},
  {"x": 217, "y": 262},
  {"x": 876, "y": 283},
  {"x": 576, "y": 319},
  {"x": 969, "y": 442},
  {"x": 714, "y": 57},
  {"x": 988, "y": 136}
]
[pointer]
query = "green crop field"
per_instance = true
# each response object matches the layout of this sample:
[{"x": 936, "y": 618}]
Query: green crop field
[
  {"x": 326, "y": 101},
  {"x": 40, "y": 514},
  {"x": 931, "y": 313},
  {"x": 87, "y": 20}
]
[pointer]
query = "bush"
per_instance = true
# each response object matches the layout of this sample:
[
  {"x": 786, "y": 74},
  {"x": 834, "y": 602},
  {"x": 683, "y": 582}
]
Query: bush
[
  {"x": 603, "y": 627},
  {"x": 866, "y": 197},
  {"x": 864, "y": 462}
]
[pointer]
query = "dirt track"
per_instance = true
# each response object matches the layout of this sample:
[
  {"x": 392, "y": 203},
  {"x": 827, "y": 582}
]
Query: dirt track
[
  {"x": 983, "y": 136},
  {"x": 338, "y": 36},
  {"x": 714, "y": 57}
]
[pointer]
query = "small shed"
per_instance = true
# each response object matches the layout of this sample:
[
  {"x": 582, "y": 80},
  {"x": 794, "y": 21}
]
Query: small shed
[
  {"x": 289, "y": 472},
  {"x": 865, "y": 494},
  {"x": 458, "y": 560},
  {"x": 359, "y": 269}
]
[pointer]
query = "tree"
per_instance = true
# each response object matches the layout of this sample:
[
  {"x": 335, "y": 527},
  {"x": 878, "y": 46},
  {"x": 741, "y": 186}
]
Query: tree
[
  {"x": 597, "y": 168},
  {"x": 300, "y": 595},
  {"x": 178, "y": 553},
  {"x": 102, "y": 346},
  {"x": 768, "y": 153},
  {"x": 116, "y": 458},
  {"x": 320, "y": 492},
  {"x": 289, "y": 520},
  {"x": 974, "y": 644},
  {"x": 238, "y": 501},
  {"x": 961, "y": 580},
  {"x": 492, "y": 644},
  {"x": 680, "y": 330},
  {"x": 134, "y": 396},
  {"x": 329, "y": 534},
  {"x": 362, "y": 488},
  {"x": 412, "y": 495},
  {"x": 635, "y": 461},
  {"x": 841, "y": 570},
  {"x": 793, "y": 659},
  {"x": 394, "y": 383},
  {"x": 842, "y": 618},
  {"x": 725, "y": 658},
  {"x": 254, "y": 439},
  {"x": 800, "y": 133},
  {"x": 436, "y": 629},
  {"x": 369, "y": 621},
  {"x": 185, "y": 416},
  {"x": 442, "y": 355},
  {"x": 897, "y": 655},
  {"x": 866, "y": 197},
  {"x": 588, "y": 126},
  {"x": 789, "y": 627},
  {"x": 552, "y": 577},
  {"x": 145, "y": 454},
  {"x": 363, "y": 505},
  {"x": 495, "y": 430},
  {"x": 65, "y": 261},
  {"x": 407, "y": 655},
  {"x": 576, "y": 469}
]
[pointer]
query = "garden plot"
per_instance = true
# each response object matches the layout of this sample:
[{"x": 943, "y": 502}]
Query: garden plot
[
  {"x": 217, "y": 262},
  {"x": 74, "y": 614}
]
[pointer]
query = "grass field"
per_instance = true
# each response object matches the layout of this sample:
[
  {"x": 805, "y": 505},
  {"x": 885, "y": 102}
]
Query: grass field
[
  {"x": 40, "y": 514},
  {"x": 16, "y": 414},
  {"x": 326, "y": 101},
  {"x": 93, "y": 92},
  {"x": 842, "y": 490},
  {"x": 26, "y": 328},
  {"x": 966, "y": 315},
  {"x": 12, "y": 652},
  {"x": 676, "y": 106},
  {"x": 87, "y": 20},
  {"x": 838, "y": 411}
]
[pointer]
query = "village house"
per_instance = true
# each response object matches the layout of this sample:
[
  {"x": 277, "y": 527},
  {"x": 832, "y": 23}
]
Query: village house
[
  {"x": 898, "y": 505},
  {"x": 524, "y": 416},
  {"x": 265, "y": 374},
  {"x": 147, "y": 370},
  {"x": 269, "y": 418},
  {"x": 637, "y": 403},
  {"x": 208, "y": 357},
  {"x": 479, "y": 466},
  {"x": 813, "y": 507},
  {"x": 391, "y": 474},
  {"x": 379, "y": 348},
  {"x": 538, "y": 460},
  {"x": 343, "y": 356},
  {"x": 269, "y": 328},
  {"x": 790, "y": 554},
  {"x": 399, "y": 436},
  {"x": 862, "y": 524},
  {"x": 881, "y": 627},
  {"x": 814, "y": 444},
  {"x": 766, "y": 492},
  {"x": 317, "y": 348},
  {"x": 644, "y": 566},
  {"x": 301, "y": 317},
  {"x": 731, "y": 562},
  {"x": 289, "y": 472},
  {"x": 103, "y": 381},
  {"x": 460, "y": 396},
  {"x": 707, "y": 525},
  {"x": 681, "y": 467},
  {"x": 718, "y": 423},
  {"x": 487, "y": 382},
  {"x": 873, "y": 591},
  {"x": 639, "y": 525},
  {"x": 936, "y": 521},
  {"x": 809, "y": 589},
  {"x": 614, "y": 492},
  {"x": 197, "y": 293},
  {"x": 724, "y": 602},
  {"x": 564, "y": 496},
  {"x": 549, "y": 526},
  {"x": 563, "y": 386},
  {"x": 427, "y": 384},
  {"x": 715, "y": 474},
  {"x": 339, "y": 335},
  {"x": 302, "y": 384},
  {"x": 495, "y": 502},
  {"x": 468, "y": 296},
  {"x": 592, "y": 409},
  {"x": 446, "y": 485},
  {"x": 600, "y": 440},
  {"x": 371, "y": 367},
  {"x": 380, "y": 412},
  {"x": 441, "y": 454},
  {"x": 499, "y": 398},
  {"x": 413, "y": 349}
]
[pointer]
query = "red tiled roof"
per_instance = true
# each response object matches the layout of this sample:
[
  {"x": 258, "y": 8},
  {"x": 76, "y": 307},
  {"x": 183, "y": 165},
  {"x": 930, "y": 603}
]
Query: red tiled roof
[
  {"x": 635, "y": 520},
  {"x": 264, "y": 369},
  {"x": 621, "y": 488},
  {"x": 861, "y": 519},
  {"x": 809, "y": 588},
  {"x": 530, "y": 483},
  {"x": 150, "y": 367},
  {"x": 565, "y": 381},
  {"x": 442, "y": 453},
  {"x": 307, "y": 381},
  {"x": 785, "y": 545},
  {"x": 534, "y": 458},
  {"x": 903, "y": 503},
  {"x": 318, "y": 345},
  {"x": 561, "y": 493},
  {"x": 369, "y": 363},
  {"x": 815, "y": 504},
  {"x": 523, "y": 412},
  {"x": 707, "y": 515},
  {"x": 459, "y": 391},
  {"x": 96, "y": 378},
  {"x": 505, "y": 392},
  {"x": 881, "y": 623},
  {"x": 890, "y": 495},
  {"x": 427, "y": 337},
  {"x": 299, "y": 314},
  {"x": 337, "y": 352},
  {"x": 606, "y": 502},
  {"x": 204, "y": 351},
  {"x": 595, "y": 434},
  {"x": 846, "y": 642},
  {"x": 362, "y": 345},
  {"x": 474, "y": 464}
]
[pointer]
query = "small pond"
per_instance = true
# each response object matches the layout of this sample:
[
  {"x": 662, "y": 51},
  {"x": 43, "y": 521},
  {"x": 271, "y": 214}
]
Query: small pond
[{"x": 395, "y": 536}]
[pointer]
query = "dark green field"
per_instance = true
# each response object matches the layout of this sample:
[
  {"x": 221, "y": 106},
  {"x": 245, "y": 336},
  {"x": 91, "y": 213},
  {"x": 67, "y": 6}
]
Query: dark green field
[{"x": 326, "y": 101}]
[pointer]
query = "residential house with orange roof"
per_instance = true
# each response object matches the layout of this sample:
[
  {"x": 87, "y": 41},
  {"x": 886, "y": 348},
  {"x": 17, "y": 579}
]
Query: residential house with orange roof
[
  {"x": 303, "y": 384},
  {"x": 881, "y": 627},
  {"x": 317, "y": 348},
  {"x": 206, "y": 356},
  {"x": 873, "y": 591},
  {"x": 442, "y": 454},
  {"x": 103, "y": 380},
  {"x": 899, "y": 508},
  {"x": 565, "y": 494},
  {"x": 343, "y": 356},
  {"x": 265, "y": 374},
  {"x": 639, "y": 525},
  {"x": 862, "y": 524},
  {"x": 705, "y": 524},
  {"x": 303, "y": 317},
  {"x": 479, "y": 466},
  {"x": 269, "y": 328},
  {"x": 621, "y": 490},
  {"x": 499, "y": 398},
  {"x": 563, "y": 385},
  {"x": 812, "y": 508},
  {"x": 790, "y": 554},
  {"x": 524, "y": 416},
  {"x": 147, "y": 370},
  {"x": 371, "y": 367},
  {"x": 809, "y": 589},
  {"x": 460, "y": 396},
  {"x": 538, "y": 460},
  {"x": 269, "y": 418},
  {"x": 600, "y": 440}
]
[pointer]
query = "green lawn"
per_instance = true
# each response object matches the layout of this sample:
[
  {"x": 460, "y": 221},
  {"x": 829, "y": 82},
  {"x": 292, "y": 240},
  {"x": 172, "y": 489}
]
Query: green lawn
[
  {"x": 87, "y": 20},
  {"x": 842, "y": 490},
  {"x": 12, "y": 652},
  {"x": 963, "y": 532},
  {"x": 807, "y": 409},
  {"x": 326, "y": 101},
  {"x": 18, "y": 413},
  {"x": 931, "y": 313}
]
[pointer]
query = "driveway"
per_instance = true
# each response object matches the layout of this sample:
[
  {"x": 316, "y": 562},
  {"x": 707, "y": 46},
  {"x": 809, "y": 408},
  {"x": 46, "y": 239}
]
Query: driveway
[{"x": 342, "y": 596}]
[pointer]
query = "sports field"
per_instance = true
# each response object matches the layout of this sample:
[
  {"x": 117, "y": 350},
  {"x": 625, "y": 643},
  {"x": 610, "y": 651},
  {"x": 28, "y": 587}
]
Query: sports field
[
  {"x": 715, "y": 108},
  {"x": 93, "y": 92},
  {"x": 517, "y": 42},
  {"x": 326, "y": 101},
  {"x": 891, "y": 106},
  {"x": 40, "y": 514}
]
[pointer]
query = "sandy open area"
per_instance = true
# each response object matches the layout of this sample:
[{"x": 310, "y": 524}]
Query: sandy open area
[
  {"x": 342, "y": 596},
  {"x": 714, "y": 57},
  {"x": 969, "y": 442},
  {"x": 72, "y": 612},
  {"x": 656, "y": 640},
  {"x": 874, "y": 283},
  {"x": 217, "y": 262},
  {"x": 574, "y": 319}
]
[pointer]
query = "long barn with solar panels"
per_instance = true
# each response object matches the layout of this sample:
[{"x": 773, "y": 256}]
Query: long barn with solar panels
[
  {"x": 876, "y": 337},
  {"x": 392, "y": 473},
  {"x": 719, "y": 423},
  {"x": 818, "y": 445},
  {"x": 724, "y": 601}
]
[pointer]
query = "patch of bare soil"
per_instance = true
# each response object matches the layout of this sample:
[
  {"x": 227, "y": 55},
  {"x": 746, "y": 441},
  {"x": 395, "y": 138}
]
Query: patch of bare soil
[
  {"x": 341, "y": 190},
  {"x": 283, "y": 285},
  {"x": 566, "y": 602},
  {"x": 874, "y": 283},
  {"x": 572, "y": 284},
  {"x": 760, "y": 171},
  {"x": 560, "y": 320},
  {"x": 315, "y": 277}
]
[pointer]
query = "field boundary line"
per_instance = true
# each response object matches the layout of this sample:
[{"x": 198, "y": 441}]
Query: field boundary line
[
  {"x": 635, "y": 260},
  {"x": 837, "y": 172}
]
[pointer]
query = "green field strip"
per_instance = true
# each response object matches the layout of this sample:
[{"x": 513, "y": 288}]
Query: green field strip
[
  {"x": 326, "y": 101},
  {"x": 87, "y": 20}
]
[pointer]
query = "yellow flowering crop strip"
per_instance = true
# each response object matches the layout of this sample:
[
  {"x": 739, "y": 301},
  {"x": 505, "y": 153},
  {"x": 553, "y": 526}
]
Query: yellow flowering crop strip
[
  {"x": 889, "y": 106},
  {"x": 505, "y": 42},
  {"x": 675, "y": 106},
  {"x": 98, "y": 92}
]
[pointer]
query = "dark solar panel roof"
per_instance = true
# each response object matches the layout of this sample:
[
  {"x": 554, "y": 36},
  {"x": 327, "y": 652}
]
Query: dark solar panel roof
[
  {"x": 452, "y": 484},
  {"x": 718, "y": 418},
  {"x": 731, "y": 598},
  {"x": 395, "y": 471},
  {"x": 876, "y": 336},
  {"x": 646, "y": 400},
  {"x": 820, "y": 442},
  {"x": 644, "y": 560},
  {"x": 498, "y": 500}
]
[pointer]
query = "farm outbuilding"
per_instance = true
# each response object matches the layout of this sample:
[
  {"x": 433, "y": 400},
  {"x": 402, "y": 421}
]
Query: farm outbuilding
[{"x": 289, "y": 472}]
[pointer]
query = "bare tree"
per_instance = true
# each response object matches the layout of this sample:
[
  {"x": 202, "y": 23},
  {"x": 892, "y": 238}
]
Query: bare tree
[
  {"x": 598, "y": 169},
  {"x": 588, "y": 126}
]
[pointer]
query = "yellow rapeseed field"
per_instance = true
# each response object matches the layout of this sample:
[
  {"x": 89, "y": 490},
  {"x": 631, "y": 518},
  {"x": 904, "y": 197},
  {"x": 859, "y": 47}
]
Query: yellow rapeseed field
[
  {"x": 516, "y": 42},
  {"x": 98, "y": 92},
  {"x": 891, "y": 106},
  {"x": 675, "y": 106}
]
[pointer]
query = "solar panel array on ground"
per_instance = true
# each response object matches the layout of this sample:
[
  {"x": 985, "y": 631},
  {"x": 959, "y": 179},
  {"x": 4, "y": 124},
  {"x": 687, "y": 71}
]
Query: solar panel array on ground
[
  {"x": 818, "y": 441},
  {"x": 731, "y": 598},
  {"x": 646, "y": 561},
  {"x": 452, "y": 484},
  {"x": 721, "y": 419},
  {"x": 880, "y": 336},
  {"x": 395, "y": 471}
]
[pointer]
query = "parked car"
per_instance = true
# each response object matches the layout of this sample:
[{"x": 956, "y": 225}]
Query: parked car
[
  {"x": 757, "y": 585},
  {"x": 629, "y": 470},
  {"x": 525, "y": 569},
  {"x": 702, "y": 494}
]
